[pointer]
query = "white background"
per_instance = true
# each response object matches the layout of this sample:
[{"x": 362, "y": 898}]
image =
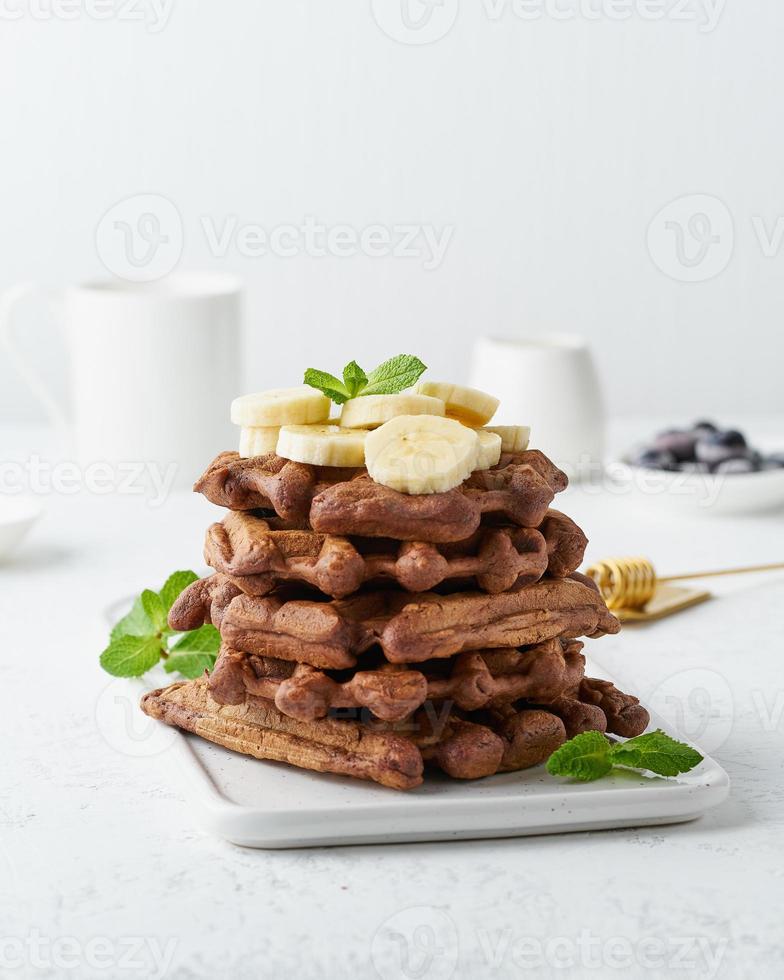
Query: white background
[{"x": 547, "y": 145}]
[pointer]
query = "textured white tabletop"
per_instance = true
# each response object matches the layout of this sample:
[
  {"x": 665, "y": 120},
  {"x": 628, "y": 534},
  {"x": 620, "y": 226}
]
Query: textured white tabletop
[{"x": 103, "y": 872}]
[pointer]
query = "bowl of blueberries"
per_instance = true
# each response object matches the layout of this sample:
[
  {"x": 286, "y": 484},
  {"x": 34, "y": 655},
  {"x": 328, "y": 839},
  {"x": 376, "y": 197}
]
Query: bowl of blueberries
[{"x": 709, "y": 468}]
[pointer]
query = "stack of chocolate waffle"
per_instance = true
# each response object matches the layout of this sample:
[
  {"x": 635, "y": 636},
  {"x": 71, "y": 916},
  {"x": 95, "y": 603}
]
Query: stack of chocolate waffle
[{"x": 368, "y": 632}]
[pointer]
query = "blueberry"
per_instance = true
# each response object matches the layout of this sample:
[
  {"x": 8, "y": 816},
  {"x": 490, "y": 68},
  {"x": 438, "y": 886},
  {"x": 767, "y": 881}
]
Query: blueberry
[
  {"x": 714, "y": 447},
  {"x": 733, "y": 438},
  {"x": 703, "y": 427},
  {"x": 654, "y": 459},
  {"x": 679, "y": 443}
]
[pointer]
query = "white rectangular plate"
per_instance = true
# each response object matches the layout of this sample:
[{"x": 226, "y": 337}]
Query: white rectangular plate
[{"x": 272, "y": 805}]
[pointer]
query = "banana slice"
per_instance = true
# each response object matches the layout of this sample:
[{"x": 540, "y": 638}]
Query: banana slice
[
  {"x": 514, "y": 438},
  {"x": 420, "y": 454},
  {"x": 370, "y": 411},
  {"x": 489, "y": 449},
  {"x": 322, "y": 445},
  {"x": 468, "y": 405},
  {"x": 258, "y": 440},
  {"x": 281, "y": 406}
]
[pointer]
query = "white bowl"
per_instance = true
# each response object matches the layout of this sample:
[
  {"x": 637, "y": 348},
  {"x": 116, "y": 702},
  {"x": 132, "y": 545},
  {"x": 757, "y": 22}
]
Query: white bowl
[
  {"x": 706, "y": 493},
  {"x": 17, "y": 516}
]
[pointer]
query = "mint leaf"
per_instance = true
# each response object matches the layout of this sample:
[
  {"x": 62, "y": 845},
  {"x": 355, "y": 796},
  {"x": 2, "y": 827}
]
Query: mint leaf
[
  {"x": 131, "y": 656},
  {"x": 584, "y": 757},
  {"x": 331, "y": 386},
  {"x": 142, "y": 637},
  {"x": 355, "y": 378},
  {"x": 206, "y": 639},
  {"x": 394, "y": 375},
  {"x": 135, "y": 623},
  {"x": 155, "y": 610},
  {"x": 194, "y": 652},
  {"x": 174, "y": 585},
  {"x": 190, "y": 665},
  {"x": 656, "y": 752}
]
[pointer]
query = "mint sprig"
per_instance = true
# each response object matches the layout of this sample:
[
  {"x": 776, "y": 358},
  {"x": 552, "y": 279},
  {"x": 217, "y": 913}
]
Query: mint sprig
[
  {"x": 591, "y": 755},
  {"x": 142, "y": 637},
  {"x": 389, "y": 378},
  {"x": 584, "y": 757},
  {"x": 656, "y": 752}
]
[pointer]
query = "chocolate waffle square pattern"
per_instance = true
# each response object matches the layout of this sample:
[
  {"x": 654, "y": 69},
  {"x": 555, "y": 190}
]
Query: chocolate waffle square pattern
[{"x": 380, "y": 635}]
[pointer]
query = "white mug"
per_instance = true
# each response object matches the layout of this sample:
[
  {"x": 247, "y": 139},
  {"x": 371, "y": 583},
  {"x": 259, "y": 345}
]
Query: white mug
[
  {"x": 153, "y": 369},
  {"x": 551, "y": 384}
]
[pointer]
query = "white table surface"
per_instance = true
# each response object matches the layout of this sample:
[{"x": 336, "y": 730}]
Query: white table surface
[{"x": 102, "y": 870}]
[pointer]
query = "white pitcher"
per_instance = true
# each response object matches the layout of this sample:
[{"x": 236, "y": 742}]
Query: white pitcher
[
  {"x": 551, "y": 384},
  {"x": 153, "y": 369}
]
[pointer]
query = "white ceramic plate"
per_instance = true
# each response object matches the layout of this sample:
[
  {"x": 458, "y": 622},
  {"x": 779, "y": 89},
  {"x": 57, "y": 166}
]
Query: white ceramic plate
[
  {"x": 272, "y": 805},
  {"x": 712, "y": 494}
]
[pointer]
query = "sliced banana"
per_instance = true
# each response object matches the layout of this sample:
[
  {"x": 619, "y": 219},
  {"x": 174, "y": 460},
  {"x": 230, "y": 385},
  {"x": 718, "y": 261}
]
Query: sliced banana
[
  {"x": 370, "y": 411},
  {"x": 514, "y": 438},
  {"x": 322, "y": 445},
  {"x": 468, "y": 405},
  {"x": 281, "y": 406},
  {"x": 489, "y": 449},
  {"x": 258, "y": 440},
  {"x": 420, "y": 454}
]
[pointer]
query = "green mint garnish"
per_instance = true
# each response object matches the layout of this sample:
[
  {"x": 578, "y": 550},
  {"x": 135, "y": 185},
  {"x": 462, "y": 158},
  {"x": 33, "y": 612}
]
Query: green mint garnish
[
  {"x": 142, "y": 638},
  {"x": 396, "y": 374},
  {"x": 590, "y": 756},
  {"x": 131, "y": 656},
  {"x": 389, "y": 378},
  {"x": 584, "y": 757},
  {"x": 657, "y": 753},
  {"x": 354, "y": 378},
  {"x": 331, "y": 386},
  {"x": 194, "y": 652}
]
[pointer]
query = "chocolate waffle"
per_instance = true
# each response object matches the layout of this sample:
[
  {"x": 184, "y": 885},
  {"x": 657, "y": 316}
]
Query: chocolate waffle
[
  {"x": 333, "y": 501},
  {"x": 470, "y": 681},
  {"x": 409, "y": 629},
  {"x": 257, "y": 558},
  {"x": 465, "y": 747}
]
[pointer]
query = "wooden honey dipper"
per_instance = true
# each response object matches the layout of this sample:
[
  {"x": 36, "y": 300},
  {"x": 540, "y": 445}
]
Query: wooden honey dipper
[{"x": 631, "y": 583}]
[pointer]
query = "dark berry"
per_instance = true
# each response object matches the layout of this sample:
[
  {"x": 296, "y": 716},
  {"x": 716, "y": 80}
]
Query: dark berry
[
  {"x": 680, "y": 444},
  {"x": 714, "y": 447},
  {"x": 654, "y": 459}
]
